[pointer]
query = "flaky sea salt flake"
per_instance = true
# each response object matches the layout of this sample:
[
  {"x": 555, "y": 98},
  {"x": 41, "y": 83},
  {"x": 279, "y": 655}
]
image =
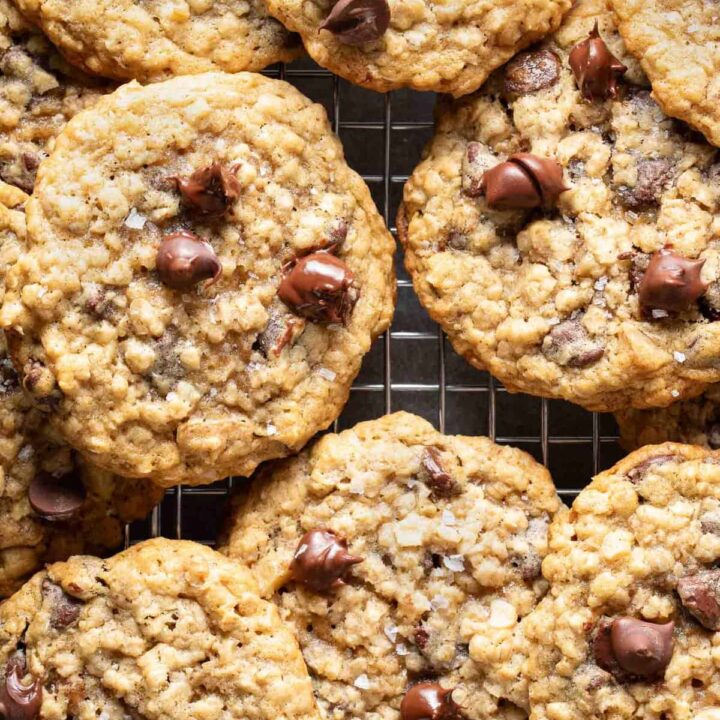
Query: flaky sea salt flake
[
  {"x": 456, "y": 563},
  {"x": 134, "y": 220},
  {"x": 362, "y": 682}
]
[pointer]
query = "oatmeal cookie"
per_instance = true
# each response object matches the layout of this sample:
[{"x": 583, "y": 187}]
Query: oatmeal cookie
[
  {"x": 39, "y": 93},
  {"x": 565, "y": 233},
  {"x": 166, "y": 629},
  {"x": 205, "y": 276},
  {"x": 630, "y": 628},
  {"x": 406, "y": 560},
  {"x": 151, "y": 40},
  {"x": 678, "y": 44},
  {"x": 422, "y": 44}
]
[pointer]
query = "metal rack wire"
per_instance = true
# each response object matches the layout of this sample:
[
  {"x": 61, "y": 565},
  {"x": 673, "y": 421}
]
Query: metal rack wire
[{"x": 440, "y": 386}]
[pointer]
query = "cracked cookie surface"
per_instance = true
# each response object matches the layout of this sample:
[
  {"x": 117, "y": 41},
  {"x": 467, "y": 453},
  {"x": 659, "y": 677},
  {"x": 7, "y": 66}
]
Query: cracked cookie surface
[
  {"x": 428, "y": 45},
  {"x": 572, "y": 294},
  {"x": 451, "y": 531},
  {"x": 166, "y": 629},
  {"x": 235, "y": 175},
  {"x": 638, "y": 550},
  {"x": 678, "y": 44},
  {"x": 151, "y": 40}
]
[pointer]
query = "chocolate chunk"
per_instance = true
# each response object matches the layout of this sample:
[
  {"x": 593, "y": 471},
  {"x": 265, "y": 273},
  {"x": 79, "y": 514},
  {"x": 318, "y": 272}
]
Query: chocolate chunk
[
  {"x": 421, "y": 637},
  {"x": 64, "y": 609},
  {"x": 569, "y": 345},
  {"x": 429, "y": 701},
  {"x": 183, "y": 260},
  {"x": 671, "y": 282},
  {"x": 56, "y": 499},
  {"x": 278, "y": 333},
  {"x": 700, "y": 594},
  {"x": 523, "y": 181},
  {"x": 641, "y": 648},
  {"x": 319, "y": 287},
  {"x": 531, "y": 71},
  {"x": 19, "y": 699},
  {"x": 209, "y": 190},
  {"x": 653, "y": 177},
  {"x": 321, "y": 560},
  {"x": 356, "y": 22},
  {"x": 436, "y": 477},
  {"x": 595, "y": 68},
  {"x": 637, "y": 473}
]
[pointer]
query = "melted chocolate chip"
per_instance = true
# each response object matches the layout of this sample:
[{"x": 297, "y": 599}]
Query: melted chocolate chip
[
  {"x": 183, "y": 260},
  {"x": 436, "y": 477},
  {"x": 19, "y": 700},
  {"x": 523, "y": 181},
  {"x": 64, "y": 609},
  {"x": 356, "y": 22},
  {"x": 641, "y": 648},
  {"x": 321, "y": 560},
  {"x": 531, "y": 71},
  {"x": 209, "y": 190},
  {"x": 319, "y": 287},
  {"x": 429, "y": 701},
  {"x": 278, "y": 333},
  {"x": 56, "y": 499},
  {"x": 671, "y": 282},
  {"x": 568, "y": 344},
  {"x": 595, "y": 68},
  {"x": 700, "y": 595},
  {"x": 653, "y": 177},
  {"x": 637, "y": 473}
]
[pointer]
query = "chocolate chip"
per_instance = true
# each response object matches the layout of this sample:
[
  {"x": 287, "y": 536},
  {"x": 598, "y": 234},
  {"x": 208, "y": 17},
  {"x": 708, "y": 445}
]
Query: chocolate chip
[
  {"x": 569, "y": 345},
  {"x": 319, "y": 287},
  {"x": 435, "y": 476},
  {"x": 653, "y": 177},
  {"x": 429, "y": 701},
  {"x": 19, "y": 700},
  {"x": 421, "y": 637},
  {"x": 321, "y": 560},
  {"x": 641, "y": 648},
  {"x": 602, "y": 649},
  {"x": 637, "y": 473},
  {"x": 356, "y": 22},
  {"x": 56, "y": 499},
  {"x": 700, "y": 595},
  {"x": 64, "y": 609},
  {"x": 278, "y": 333},
  {"x": 209, "y": 190},
  {"x": 531, "y": 71},
  {"x": 671, "y": 282},
  {"x": 523, "y": 181},
  {"x": 183, "y": 260},
  {"x": 595, "y": 68}
]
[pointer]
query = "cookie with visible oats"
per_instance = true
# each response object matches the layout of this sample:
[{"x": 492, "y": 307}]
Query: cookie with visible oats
[
  {"x": 631, "y": 625},
  {"x": 204, "y": 278},
  {"x": 562, "y": 229},
  {"x": 400, "y": 554}
]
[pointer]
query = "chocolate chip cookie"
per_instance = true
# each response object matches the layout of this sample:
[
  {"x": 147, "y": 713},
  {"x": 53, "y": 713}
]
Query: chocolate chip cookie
[
  {"x": 205, "y": 276},
  {"x": 562, "y": 230},
  {"x": 677, "y": 43},
  {"x": 630, "y": 626},
  {"x": 406, "y": 560},
  {"x": 150, "y": 40},
  {"x": 39, "y": 93},
  {"x": 167, "y": 629},
  {"x": 422, "y": 44}
]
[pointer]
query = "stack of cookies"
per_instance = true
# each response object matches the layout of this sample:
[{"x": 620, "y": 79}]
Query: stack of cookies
[{"x": 190, "y": 277}]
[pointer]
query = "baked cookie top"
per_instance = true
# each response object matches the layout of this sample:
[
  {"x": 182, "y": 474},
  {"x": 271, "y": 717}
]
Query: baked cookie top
[
  {"x": 630, "y": 628},
  {"x": 39, "y": 93},
  {"x": 678, "y": 44},
  {"x": 422, "y": 44},
  {"x": 204, "y": 278},
  {"x": 402, "y": 555},
  {"x": 166, "y": 629},
  {"x": 564, "y": 232},
  {"x": 150, "y": 40}
]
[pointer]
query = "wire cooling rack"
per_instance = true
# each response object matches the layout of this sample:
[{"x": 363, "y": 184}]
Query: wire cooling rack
[{"x": 412, "y": 367}]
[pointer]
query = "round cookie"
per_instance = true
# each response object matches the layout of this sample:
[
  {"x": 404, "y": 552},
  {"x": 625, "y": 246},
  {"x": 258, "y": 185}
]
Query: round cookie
[
  {"x": 695, "y": 421},
  {"x": 166, "y": 629},
  {"x": 151, "y": 40},
  {"x": 564, "y": 232},
  {"x": 678, "y": 44},
  {"x": 39, "y": 93},
  {"x": 422, "y": 44},
  {"x": 204, "y": 277},
  {"x": 402, "y": 555},
  {"x": 630, "y": 628}
]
